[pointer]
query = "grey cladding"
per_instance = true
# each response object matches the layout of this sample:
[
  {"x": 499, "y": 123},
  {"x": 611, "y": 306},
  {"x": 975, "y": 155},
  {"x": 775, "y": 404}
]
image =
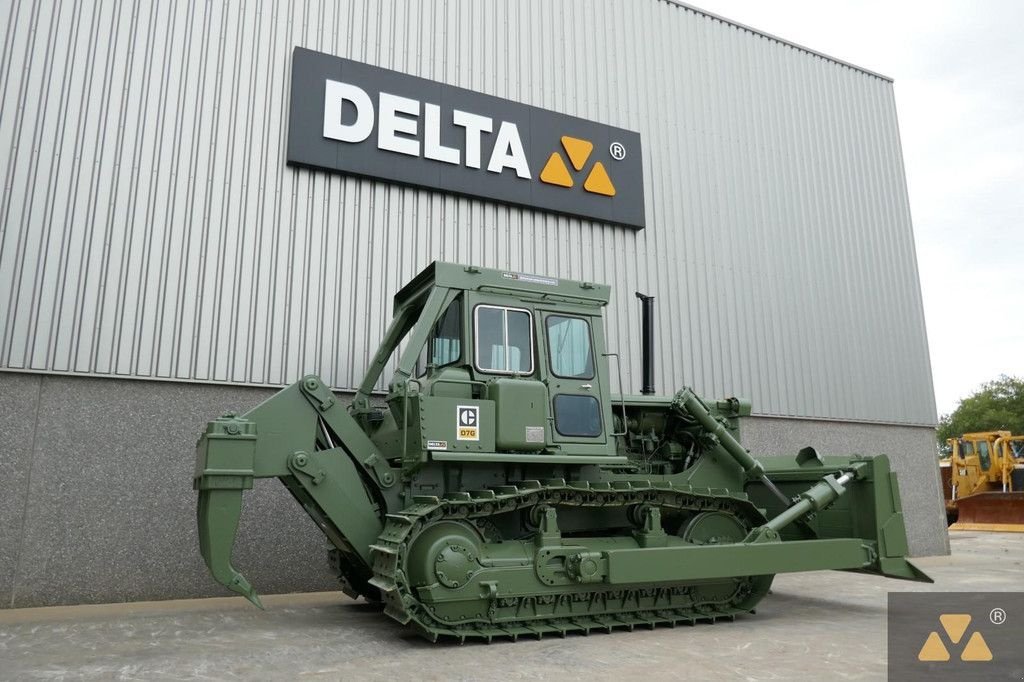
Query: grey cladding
[{"x": 151, "y": 227}]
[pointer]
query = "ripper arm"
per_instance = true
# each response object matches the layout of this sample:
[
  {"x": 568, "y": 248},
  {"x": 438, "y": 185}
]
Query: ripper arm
[{"x": 304, "y": 437}]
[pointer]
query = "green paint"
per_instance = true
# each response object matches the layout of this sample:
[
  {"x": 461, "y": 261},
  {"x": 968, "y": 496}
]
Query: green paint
[{"x": 501, "y": 489}]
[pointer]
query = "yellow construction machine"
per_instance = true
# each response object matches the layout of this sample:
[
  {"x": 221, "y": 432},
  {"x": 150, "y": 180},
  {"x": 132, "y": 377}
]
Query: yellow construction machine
[{"x": 983, "y": 481}]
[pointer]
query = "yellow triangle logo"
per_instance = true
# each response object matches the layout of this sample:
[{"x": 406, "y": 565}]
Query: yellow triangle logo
[
  {"x": 955, "y": 625},
  {"x": 933, "y": 649},
  {"x": 555, "y": 172},
  {"x": 976, "y": 649},
  {"x": 598, "y": 181},
  {"x": 578, "y": 150}
]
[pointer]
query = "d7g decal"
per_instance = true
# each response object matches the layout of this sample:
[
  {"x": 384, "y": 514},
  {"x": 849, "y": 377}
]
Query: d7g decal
[
  {"x": 359, "y": 119},
  {"x": 468, "y": 422}
]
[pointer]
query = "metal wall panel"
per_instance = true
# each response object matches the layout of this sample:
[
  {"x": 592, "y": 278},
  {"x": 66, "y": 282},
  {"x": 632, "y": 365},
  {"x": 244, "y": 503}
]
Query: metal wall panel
[{"x": 150, "y": 227}]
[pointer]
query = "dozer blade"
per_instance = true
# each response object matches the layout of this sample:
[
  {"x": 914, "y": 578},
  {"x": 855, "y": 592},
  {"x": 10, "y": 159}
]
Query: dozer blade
[
  {"x": 870, "y": 510},
  {"x": 992, "y": 511}
]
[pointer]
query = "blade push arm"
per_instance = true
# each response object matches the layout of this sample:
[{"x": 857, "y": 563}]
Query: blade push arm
[{"x": 874, "y": 520}]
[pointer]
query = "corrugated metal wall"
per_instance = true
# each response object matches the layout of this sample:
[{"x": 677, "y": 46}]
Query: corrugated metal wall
[{"x": 150, "y": 226}]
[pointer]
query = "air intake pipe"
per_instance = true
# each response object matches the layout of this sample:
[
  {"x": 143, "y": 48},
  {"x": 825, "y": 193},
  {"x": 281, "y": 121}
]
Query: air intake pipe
[{"x": 647, "y": 341}]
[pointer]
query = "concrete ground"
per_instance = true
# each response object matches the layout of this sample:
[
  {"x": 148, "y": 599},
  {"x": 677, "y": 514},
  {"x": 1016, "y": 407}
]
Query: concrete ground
[{"x": 826, "y": 624}]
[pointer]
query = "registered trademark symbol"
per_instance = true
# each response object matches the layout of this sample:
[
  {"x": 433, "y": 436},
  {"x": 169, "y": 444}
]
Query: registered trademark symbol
[
  {"x": 997, "y": 616},
  {"x": 617, "y": 150}
]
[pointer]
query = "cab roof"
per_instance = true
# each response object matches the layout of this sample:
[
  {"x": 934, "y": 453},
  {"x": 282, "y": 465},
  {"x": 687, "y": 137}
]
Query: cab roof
[{"x": 473, "y": 278}]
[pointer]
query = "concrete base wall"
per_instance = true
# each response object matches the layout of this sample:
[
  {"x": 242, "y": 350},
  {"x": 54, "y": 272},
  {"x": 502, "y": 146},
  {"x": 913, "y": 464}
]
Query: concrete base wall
[
  {"x": 96, "y": 502},
  {"x": 911, "y": 451}
]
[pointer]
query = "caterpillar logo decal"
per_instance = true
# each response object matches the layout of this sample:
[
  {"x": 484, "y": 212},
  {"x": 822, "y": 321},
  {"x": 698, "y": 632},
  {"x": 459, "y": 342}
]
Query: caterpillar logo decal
[
  {"x": 467, "y": 425},
  {"x": 556, "y": 173},
  {"x": 955, "y": 625},
  {"x": 358, "y": 119}
]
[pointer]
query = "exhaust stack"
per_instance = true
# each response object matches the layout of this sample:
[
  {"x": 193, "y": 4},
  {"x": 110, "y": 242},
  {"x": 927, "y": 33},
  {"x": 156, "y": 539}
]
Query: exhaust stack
[{"x": 647, "y": 341}]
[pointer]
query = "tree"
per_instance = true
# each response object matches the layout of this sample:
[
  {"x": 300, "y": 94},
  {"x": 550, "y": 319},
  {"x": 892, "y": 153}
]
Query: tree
[{"x": 997, "y": 405}]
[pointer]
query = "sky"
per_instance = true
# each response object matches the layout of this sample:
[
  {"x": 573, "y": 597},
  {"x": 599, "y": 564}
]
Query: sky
[{"x": 958, "y": 71}]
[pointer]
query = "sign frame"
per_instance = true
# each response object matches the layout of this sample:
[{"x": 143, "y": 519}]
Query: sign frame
[{"x": 541, "y": 134}]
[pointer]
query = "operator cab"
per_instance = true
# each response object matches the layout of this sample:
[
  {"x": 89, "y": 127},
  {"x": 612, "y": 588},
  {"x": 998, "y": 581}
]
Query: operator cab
[
  {"x": 505, "y": 364},
  {"x": 518, "y": 349}
]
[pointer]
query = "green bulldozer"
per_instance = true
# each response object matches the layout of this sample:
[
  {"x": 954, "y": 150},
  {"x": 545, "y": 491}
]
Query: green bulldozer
[{"x": 501, "y": 489}]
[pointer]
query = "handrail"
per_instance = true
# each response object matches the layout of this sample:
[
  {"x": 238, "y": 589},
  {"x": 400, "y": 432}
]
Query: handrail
[
  {"x": 622, "y": 393},
  {"x": 435, "y": 382},
  {"x": 405, "y": 413}
]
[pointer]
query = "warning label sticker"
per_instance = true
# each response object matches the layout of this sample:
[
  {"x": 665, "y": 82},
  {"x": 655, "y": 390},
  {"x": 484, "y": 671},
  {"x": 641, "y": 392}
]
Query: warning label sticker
[
  {"x": 532, "y": 279},
  {"x": 467, "y": 422}
]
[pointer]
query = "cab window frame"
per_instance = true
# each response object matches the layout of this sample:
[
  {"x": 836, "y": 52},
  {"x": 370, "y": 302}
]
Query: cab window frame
[
  {"x": 426, "y": 353},
  {"x": 476, "y": 339}
]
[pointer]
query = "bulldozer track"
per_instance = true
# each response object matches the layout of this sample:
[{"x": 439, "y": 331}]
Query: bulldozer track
[{"x": 552, "y": 610}]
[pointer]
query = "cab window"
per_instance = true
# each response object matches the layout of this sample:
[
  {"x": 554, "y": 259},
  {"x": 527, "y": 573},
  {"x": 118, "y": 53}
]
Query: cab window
[
  {"x": 569, "y": 347},
  {"x": 577, "y": 415},
  {"x": 444, "y": 345},
  {"x": 504, "y": 343}
]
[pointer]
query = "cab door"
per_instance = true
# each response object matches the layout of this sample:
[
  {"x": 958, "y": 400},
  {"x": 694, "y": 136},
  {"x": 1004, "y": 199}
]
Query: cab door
[{"x": 573, "y": 379}]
